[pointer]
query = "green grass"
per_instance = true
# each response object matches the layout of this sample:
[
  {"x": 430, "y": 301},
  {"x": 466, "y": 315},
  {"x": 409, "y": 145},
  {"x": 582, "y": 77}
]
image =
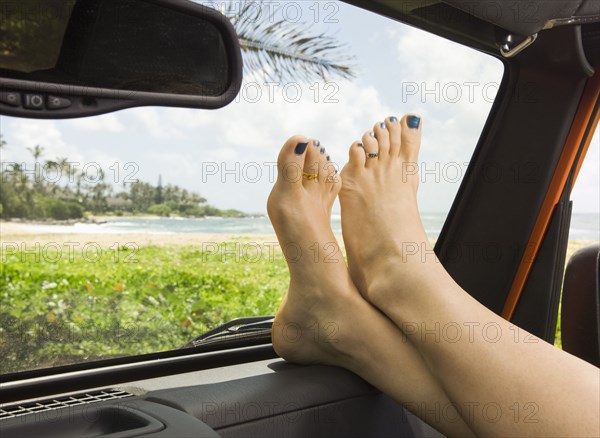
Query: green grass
[
  {"x": 61, "y": 310},
  {"x": 128, "y": 302}
]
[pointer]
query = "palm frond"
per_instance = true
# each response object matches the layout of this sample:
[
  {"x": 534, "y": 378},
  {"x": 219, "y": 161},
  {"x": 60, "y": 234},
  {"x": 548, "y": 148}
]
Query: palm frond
[{"x": 278, "y": 50}]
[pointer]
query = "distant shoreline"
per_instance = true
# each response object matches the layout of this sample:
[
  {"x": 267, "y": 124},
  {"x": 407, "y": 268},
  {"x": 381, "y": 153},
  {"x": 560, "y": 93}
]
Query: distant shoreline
[
  {"x": 100, "y": 219},
  {"x": 147, "y": 229},
  {"x": 23, "y": 235}
]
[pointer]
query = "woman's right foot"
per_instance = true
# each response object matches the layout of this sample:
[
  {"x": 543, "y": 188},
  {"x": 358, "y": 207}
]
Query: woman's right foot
[{"x": 393, "y": 265}]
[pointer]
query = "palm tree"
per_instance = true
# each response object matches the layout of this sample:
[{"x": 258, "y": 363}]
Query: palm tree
[
  {"x": 20, "y": 181},
  {"x": 63, "y": 163},
  {"x": 36, "y": 151},
  {"x": 98, "y": 193},
  {"x": 66, "y": 170},
  {"x": 38, "y": 183},
  {"x": 289, "y": 51},
  {"x": 53, "y": 185}
]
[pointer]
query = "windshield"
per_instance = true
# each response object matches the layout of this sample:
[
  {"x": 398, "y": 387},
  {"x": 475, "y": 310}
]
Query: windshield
[{"x": 133, "y": 232}]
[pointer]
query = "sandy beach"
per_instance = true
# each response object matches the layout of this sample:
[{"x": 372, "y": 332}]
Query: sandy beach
[
  {"x": 27, "y": 234},
  {"x": 16, "y": 232}
]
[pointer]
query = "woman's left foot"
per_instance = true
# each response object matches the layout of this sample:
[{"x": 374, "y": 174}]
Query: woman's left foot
[{"x": 314, "y": 322}]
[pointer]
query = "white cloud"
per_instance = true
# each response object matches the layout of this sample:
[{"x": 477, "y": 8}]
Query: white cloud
[
  {"x": 25, "y": 133},
  {"x": 453, "y": 88},
  {"x": 248, "y": 132},
  {"x": 104, "y": 123},
  {"x": 154, "y": 121},
  {"x": 264, "y": 124},
  {"x": 22, "y": 134},
  {"x": 254, "y": 131}
]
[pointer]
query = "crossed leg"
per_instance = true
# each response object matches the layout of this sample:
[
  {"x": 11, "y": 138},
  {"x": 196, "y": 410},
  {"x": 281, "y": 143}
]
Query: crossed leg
[
  {"x": 323, "y": 318},
  {"x": 505, "y": 382},
  {"x": 531, "y": 387}
]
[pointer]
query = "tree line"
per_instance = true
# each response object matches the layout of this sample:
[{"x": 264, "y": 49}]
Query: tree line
[{"x": 55, "y": 189}]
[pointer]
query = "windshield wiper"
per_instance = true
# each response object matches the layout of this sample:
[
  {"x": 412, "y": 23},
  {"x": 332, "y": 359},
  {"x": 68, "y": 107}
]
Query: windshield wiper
[{"x": 243, "y": 331}]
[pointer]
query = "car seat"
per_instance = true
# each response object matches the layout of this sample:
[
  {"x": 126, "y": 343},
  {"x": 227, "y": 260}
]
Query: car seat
[{"x": 580, "y": 317}]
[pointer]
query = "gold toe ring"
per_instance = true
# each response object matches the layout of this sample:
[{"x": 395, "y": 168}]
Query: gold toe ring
[{"x": 310, "y": 176}]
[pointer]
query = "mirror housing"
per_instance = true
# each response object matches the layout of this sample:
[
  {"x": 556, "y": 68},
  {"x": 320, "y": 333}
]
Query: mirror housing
[{"x": 76, "y": 58}]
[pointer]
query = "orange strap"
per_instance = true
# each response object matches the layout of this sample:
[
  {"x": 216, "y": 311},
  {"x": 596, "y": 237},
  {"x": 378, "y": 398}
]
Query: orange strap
[{"x": 556, "y": 188}]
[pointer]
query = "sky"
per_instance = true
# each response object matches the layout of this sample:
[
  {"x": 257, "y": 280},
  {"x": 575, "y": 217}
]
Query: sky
[{"x": 228, "y": 155}]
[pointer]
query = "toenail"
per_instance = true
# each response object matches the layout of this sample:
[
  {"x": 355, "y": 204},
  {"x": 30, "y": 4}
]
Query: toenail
[
  {"x": 382, "y": 124},
  {"x": 413, "y": 121},
  {"x": 360, "y": 145},
  {"x": 372, "y": 134},
  {"x": 328, "y": 158},
  {"x": 322, "y": 150},
  {"x": 317, "y": 143},
  {"x": 300, "y": 148},
  {"x": 393, "y": 119}
]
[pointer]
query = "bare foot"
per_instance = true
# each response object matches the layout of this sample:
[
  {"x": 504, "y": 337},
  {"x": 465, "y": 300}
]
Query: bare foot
[
  {"x": 381, "y": 224},
  {"x": 394, "y": 267},
  {"x": 313, "y": 323},
  {"x": 323, "y": 318}
]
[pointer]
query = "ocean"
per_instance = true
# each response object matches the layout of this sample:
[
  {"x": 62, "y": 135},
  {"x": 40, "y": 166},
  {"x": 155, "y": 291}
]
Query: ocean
[{"x": 583, "y": 226}]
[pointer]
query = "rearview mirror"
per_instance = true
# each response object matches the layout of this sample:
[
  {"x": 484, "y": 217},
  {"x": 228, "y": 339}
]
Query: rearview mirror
[{"x": 74, "y": 58}]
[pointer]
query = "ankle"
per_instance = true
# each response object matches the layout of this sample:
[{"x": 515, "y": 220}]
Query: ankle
[{"x": 404, "y": 276}]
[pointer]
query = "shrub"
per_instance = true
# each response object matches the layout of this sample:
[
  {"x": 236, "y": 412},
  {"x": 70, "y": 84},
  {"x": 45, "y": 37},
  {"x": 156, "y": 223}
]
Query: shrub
[
  {"x": 160, "y": 210},
  {"x": 61, "y": 210},
  {"x": 75, "y": 210}
]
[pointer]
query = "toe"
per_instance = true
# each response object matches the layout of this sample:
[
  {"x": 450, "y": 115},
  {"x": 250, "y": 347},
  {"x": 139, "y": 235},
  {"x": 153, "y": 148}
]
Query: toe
[
  {"x": 394, "y": 128},
  {"x": 383, "y": 138},
  {"x": 328, "y": 173},
  {"x": 291, "y": 160},
  {"x": 334, "y": 190},
  {"x": 410, "y": 137},
  {"x": 326, "y": 167},
  {"x": 371, "y": 147},
  {"x": 315, "y": 155},
  {"x": 357, "y": 155},
  {"x": 332, "y": 181}
]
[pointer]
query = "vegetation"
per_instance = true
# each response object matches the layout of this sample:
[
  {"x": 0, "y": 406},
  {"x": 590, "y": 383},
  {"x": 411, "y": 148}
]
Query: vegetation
[
  {"x": 53, "y": 305},
  {"x": 54, "y": 308},
  {"x": 280, "y": 48},
  {"x": 54, "y": 189}
]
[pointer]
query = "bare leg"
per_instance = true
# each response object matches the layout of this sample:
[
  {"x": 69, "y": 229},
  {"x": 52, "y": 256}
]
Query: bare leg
[
  {"x": 504, "y": 381},
  {"x": 323, "y": 318}
]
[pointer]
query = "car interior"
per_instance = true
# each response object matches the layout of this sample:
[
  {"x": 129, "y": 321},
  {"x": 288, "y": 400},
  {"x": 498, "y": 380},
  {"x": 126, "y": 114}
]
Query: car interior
[{"x": 229, "y": 382}]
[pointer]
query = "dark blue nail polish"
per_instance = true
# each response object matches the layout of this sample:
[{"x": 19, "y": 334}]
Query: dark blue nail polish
[
  {"x": 360, "y": 145},
  {"x": 413, "y": 122},
  {"x": 300, "y": 148},
  {"x": 382, "y": 124},
  {"x": 322, "y": 150},
  {"x": 372, "y": 134},
  {"x": 393, "y": 119},
  {"x": 328, "y": 158},
  {"x": 317, "y": 143}
]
